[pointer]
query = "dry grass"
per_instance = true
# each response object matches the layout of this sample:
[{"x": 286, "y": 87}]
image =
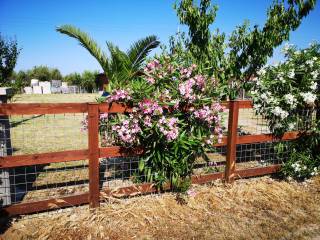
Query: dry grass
[
  {"x": 261, "y": 208},
  {"x": 54, "y": 98}
]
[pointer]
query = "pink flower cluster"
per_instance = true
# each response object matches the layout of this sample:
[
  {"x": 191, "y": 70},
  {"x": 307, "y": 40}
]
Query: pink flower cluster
[
  {"x": 152, "y": 65},
  {"x": 147, "y": 121},
  {"x": 186, "y": 88},
  {"x": 104, "y": 116},
  {"x": 200, "y": 81},
  {"x": 148, "y": 106},
  {"x": 169, "y": 127},
  {"x": 119, "y": 96},
  {"x": 216, "y": 107},
  {"x": 212, "y": 117},
  {"x": 205, "y": 114},
  {"x": 186, "y": 72},
  {"x": 127, "y": 131}
]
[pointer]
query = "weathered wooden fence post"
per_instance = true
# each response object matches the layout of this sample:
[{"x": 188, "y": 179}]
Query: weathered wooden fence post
[
  {"x": 232, "y": 141},
  {"x": 5, "y": 149},
  {"x": 93, "y": 143}
]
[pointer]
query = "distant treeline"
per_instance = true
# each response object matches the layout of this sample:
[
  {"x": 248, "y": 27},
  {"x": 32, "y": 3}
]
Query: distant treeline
[{"x": 86, "y": 80}]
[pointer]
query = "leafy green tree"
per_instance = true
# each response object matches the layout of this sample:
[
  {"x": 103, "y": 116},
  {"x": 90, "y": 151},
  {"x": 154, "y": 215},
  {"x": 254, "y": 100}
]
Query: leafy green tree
[
  {"x": 73, "y": 79},
  {"x": 44, "y": 73},
  {"x": 237, "y": 60},
  {"x": 88, "y": 79},
  {"x": 21, "y": 80},
  {"x": 9, "y": 52},
  {"x": 55, "y": 74},
  {"x": 121, "y": 67}
]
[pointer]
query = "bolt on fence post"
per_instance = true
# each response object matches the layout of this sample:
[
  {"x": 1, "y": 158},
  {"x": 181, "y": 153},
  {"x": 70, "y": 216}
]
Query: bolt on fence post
[
  {"x": 93, "y": 145},
  {"x": 232, "y": 141}
]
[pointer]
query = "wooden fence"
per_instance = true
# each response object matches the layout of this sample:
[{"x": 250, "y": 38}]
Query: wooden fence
[{"x": 94, "y": 152}]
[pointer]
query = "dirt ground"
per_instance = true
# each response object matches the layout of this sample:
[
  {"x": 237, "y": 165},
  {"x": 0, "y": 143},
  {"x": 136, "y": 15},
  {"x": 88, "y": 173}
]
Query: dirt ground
[{"x": 258, "y": 208}]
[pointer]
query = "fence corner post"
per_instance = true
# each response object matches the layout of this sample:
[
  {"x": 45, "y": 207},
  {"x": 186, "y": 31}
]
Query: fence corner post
[
  {"x": 232, "y": 141},
  {"x": 5, "y": 149},
  {"x": 93, "y": 145}
]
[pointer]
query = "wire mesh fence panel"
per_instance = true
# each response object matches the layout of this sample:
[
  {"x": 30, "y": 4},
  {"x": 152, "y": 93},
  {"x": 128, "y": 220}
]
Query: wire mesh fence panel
[
  {"x": 211, "y": 162},
  {"x": 119, "y": 172},
  {"x": 265, "y": 153},
  {"x": 29, "y": 134},
  {"x": 260, "y": 154},
  {"x": 55, "y": 180},
  {"x": 251, "y": 123}
]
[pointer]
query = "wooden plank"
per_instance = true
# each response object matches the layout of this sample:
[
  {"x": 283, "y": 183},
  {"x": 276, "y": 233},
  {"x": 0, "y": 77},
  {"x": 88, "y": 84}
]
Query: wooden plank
[
  {"x": 242, "y": 104},
  {"x": 42, "y": 108},
  {"x": 43, "y": 158},
  {"x": 44, "y": 205},
  {"x": 266, "y": 137},
  {"x": 232, "y": 141},
  {"x": 122, "y": 108},
  {"x": 206, "y": 178},
  {"x": 114, "y": 108},
  {"x": 116, "y": 151},
  {"x": 245, "y": 104},
  {"x": 93, "y": 144},
  {"x": 253, "y": 172}
]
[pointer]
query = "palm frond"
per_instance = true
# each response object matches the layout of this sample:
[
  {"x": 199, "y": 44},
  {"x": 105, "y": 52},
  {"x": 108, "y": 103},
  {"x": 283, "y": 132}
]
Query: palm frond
[
  {"x": 120, "y": 65},
  {"x": 87, "y": 42},
  {"x": 139, "y": 50}
]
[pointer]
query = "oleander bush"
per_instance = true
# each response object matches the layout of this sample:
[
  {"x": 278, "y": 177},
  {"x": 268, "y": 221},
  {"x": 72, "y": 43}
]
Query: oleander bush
[
  {"x": 287, "y": 95},
  {"x": 174, "y": 118}
]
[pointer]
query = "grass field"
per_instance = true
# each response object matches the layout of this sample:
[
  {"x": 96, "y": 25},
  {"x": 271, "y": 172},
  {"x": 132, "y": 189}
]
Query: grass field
[
  {"x": 54, "y": 98},
  {"x": 261, "y": 208}
]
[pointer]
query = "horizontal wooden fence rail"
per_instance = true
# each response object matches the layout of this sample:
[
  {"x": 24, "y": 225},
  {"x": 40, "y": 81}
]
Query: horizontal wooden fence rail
[
  {"x": 94, "y": 152},
  {"x": 42, "y": 108}
]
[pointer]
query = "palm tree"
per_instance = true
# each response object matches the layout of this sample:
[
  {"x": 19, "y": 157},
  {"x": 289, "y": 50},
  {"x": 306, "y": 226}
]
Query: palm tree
[{"x": 121, "y": 67}]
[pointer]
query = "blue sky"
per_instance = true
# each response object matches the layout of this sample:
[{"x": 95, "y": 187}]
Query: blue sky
[{"x": 33, "y": 24}]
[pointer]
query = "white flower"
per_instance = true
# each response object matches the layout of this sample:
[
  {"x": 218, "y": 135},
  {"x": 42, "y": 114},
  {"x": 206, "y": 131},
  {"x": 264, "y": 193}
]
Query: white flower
[
  {"x": 313, "y": 86},
  {"x": 257, "y": 107},
  {"x": 265, "y": 96},
  {"x": 314, "y": 58},
  {"x": 262, "y": 71},
  {"x": 291, "y": 126},
  {"x": 282, "y": 80},
  {"x": 291, "y": 74},
  {"x": 314, "y": 74},
  {"x": 254, "y": 92},
  {"x": 309, "y": 62},
  {"x": 290, "y": 99},
  {"x": 286, "y": 47},
  {"x": 297, "y": 52},
  {"x": 278, "y": 111},
  {"x": 308, "y": 97}
]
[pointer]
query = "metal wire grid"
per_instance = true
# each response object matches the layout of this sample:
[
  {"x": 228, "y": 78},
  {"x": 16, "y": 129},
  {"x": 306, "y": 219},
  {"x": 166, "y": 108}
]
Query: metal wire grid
[
  {"x": 118, "y": 172},
  {"x": 213, "y": 162},
  {"x": 260, "y": 154},
  {"x": 29, "y": 134},
  {"x": 41, "y": 182},
  {"x": 251, "y": 124},
  {"x": 305, "y": 118}
]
